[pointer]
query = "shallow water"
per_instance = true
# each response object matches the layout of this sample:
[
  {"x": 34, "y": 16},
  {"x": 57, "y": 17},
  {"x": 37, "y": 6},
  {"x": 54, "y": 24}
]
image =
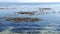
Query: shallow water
[{"x": 50, "y": 23}]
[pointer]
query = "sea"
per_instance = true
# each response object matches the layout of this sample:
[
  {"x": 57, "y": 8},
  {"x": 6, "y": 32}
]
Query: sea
[{"x": 50, "y": 23}]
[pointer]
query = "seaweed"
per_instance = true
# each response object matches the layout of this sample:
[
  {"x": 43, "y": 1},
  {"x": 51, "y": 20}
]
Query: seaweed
[
  {"x": 23, "y": 19},
  {"x": 30, "y": 13}
]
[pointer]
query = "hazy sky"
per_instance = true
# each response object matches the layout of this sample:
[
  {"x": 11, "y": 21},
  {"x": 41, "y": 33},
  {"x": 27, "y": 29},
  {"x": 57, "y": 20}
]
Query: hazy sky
[{"x": 29, "y": 0}]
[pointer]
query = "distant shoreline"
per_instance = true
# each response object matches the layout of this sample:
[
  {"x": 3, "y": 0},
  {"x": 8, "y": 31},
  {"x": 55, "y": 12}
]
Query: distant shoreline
[{"x": 24, "y": 3}]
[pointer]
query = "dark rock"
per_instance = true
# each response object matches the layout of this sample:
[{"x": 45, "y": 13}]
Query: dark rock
[{"x": 2, "y": 29}]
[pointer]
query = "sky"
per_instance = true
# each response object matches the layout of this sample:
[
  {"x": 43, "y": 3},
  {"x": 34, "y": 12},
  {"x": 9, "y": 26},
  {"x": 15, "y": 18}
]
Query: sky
[{"x": 29, "y": 0}]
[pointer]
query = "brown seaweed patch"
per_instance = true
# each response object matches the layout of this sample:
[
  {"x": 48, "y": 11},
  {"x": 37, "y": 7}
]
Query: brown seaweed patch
[
  {"x": 23, "y": 19},
  {"x": 31, "y": 13}
]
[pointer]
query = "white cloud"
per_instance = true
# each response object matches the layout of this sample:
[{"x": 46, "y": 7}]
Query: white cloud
[{"x": 29, "y": 0}]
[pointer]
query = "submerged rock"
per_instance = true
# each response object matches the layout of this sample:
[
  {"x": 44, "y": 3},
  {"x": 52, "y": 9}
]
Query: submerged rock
[
  {"x": 1, "y": 24},
  {"x": 2, "y": 29}
]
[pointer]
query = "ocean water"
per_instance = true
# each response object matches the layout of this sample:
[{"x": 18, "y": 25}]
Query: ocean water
[{"x": 50, "y": 23}]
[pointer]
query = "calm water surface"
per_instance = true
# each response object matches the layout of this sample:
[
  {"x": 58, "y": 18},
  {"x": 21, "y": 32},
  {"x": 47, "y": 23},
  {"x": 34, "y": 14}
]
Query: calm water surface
[{"x": 50, "y": 23}]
